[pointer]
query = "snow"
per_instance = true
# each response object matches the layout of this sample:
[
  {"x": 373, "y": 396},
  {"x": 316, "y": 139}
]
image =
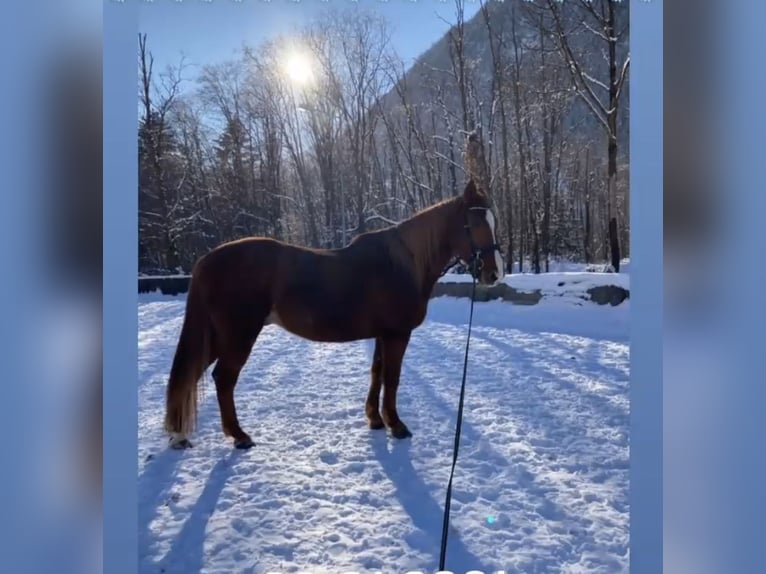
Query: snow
[
  {"x": 558, "y": 265},
  {"x": 555, "y": 283},
  {"x": 541, "y": 483},
  {"x": 175, "y": 276}
]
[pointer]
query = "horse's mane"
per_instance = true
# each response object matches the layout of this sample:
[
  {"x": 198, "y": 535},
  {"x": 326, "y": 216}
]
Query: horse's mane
[
  {"x": 425, "y": 235},
  {"x": 423, "y": 239}
]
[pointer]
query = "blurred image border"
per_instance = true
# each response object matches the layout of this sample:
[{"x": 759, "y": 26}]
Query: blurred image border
[
  {"x": 120, "y": 326},
  {"x": 120, "y": 272},
  {"x": 646, "y": 190}
]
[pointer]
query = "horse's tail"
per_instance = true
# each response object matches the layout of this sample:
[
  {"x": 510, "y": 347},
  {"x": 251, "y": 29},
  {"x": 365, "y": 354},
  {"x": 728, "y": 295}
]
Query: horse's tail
[{"x": 191, "y": 360}]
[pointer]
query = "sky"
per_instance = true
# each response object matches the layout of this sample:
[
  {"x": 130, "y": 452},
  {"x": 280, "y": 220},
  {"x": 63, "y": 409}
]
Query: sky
[{"x": 210, "y": 32}]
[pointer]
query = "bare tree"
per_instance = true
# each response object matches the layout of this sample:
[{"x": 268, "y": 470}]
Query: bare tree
[
  {"x": 498, "y": 49},
  {"x": 160, "y": 204},
  {"x": 598, "y": 17},
  {"x": 368, "y": 140}
]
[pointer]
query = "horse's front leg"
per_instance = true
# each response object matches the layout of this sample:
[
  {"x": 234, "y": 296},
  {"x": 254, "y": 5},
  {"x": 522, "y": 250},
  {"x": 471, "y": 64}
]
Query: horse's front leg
[
  {"x": 372, "y": 406},
  {"x": 393, "y": 355}
]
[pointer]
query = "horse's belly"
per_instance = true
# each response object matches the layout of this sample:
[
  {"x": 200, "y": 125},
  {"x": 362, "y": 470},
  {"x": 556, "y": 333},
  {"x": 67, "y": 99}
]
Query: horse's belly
[
  {"x": 318, "y": 315},
  {"x": 321, "y": 325}
]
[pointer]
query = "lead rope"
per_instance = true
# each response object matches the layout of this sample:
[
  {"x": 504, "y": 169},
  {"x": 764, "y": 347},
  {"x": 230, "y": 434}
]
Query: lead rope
[{"x": 445, "y": 527}]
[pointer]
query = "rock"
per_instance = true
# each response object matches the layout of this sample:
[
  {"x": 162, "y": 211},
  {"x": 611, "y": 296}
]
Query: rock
[{"x": 611, "y": 294}]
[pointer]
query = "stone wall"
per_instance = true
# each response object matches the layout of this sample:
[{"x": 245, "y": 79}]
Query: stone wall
[{"x": 602, "y": 294}]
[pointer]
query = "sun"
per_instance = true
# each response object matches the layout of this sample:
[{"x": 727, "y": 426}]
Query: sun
[{"x": 298, "y": 68}]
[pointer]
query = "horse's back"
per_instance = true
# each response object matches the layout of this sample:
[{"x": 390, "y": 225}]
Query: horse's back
[
  {"x": 346, "y": 294},
  {"x": 357, "y": 292}
]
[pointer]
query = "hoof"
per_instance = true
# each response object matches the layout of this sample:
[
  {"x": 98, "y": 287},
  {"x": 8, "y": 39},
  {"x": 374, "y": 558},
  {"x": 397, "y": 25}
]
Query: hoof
[
  {"x": 244, "y": 443},
  {"x": 376, "y": 424},
  {"x": 180, "y": 443},
  {"x": 401, "y": 432}
]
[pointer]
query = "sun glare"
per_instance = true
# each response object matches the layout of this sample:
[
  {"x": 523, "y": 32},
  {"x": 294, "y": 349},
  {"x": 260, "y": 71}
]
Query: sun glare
[{"x": 298, "y": 68}]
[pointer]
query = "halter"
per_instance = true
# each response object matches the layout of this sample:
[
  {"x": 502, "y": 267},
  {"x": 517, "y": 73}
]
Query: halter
[{"x": 475, "y": 263}]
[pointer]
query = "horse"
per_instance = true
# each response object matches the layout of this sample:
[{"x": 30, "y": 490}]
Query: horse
[{"x": 376, "y": 287}]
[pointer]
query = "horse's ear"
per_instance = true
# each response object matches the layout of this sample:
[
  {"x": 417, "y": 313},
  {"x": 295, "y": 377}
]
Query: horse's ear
[{"x": 472, "y": 194}]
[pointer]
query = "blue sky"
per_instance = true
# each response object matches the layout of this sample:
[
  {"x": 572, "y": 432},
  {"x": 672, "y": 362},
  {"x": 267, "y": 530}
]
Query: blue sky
[{"x": 208, "y": 32}]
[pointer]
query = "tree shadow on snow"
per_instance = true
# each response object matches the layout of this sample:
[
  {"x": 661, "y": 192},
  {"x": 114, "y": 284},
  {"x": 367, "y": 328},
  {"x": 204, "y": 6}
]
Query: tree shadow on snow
[
  {"x": 532, "y": 320},
  {"x": 563, "y": 370},
  {"x": 495, "y": 468},
  {"x": 415, "y": 498}
]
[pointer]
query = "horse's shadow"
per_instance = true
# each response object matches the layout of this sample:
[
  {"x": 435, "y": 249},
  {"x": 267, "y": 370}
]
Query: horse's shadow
[
  {"x": 426, "y": 514},
  {"x": 186, "y": 553},
  {"x": 154, "y": 491}
]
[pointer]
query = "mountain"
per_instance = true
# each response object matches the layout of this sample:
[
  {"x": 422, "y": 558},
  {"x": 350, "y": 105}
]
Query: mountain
[{"x": 430, "y": 87}]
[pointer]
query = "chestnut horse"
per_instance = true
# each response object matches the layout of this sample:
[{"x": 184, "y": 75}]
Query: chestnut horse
[{"x": 377, "y": 287}]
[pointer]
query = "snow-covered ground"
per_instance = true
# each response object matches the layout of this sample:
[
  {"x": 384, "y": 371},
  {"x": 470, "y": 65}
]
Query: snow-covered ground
[
  {"x": 564, "y": 265},
  {"x": 542, "y": 478},
  {"x": 553, "y": 283}
]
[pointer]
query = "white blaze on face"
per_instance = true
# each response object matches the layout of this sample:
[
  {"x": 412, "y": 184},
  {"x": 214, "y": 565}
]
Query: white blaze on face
[{"x": 498, "y": 260}]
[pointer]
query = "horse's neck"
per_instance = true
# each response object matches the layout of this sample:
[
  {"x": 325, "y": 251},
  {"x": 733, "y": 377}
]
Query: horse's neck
[{"x": 426, "y": 237}]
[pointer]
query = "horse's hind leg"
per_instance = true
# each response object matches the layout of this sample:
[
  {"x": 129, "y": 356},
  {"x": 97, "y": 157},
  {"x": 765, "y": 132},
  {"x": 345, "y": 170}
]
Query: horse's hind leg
[
  {"x": 372, "y": 406},
  {"x": 232, "y": 356}
]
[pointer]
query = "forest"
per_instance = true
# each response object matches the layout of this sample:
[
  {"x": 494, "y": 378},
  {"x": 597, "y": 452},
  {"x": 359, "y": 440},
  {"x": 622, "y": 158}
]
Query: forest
[{"x": 317, "y": 137}]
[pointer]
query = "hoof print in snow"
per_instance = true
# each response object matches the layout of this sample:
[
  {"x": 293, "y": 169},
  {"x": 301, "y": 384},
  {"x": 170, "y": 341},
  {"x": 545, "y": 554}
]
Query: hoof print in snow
[
  {"x": 175, "y": 497},
  {"x": 182, "y": 444},
  {"x": 328, "y": 457},
  {"x": 244, "y": 444}
]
